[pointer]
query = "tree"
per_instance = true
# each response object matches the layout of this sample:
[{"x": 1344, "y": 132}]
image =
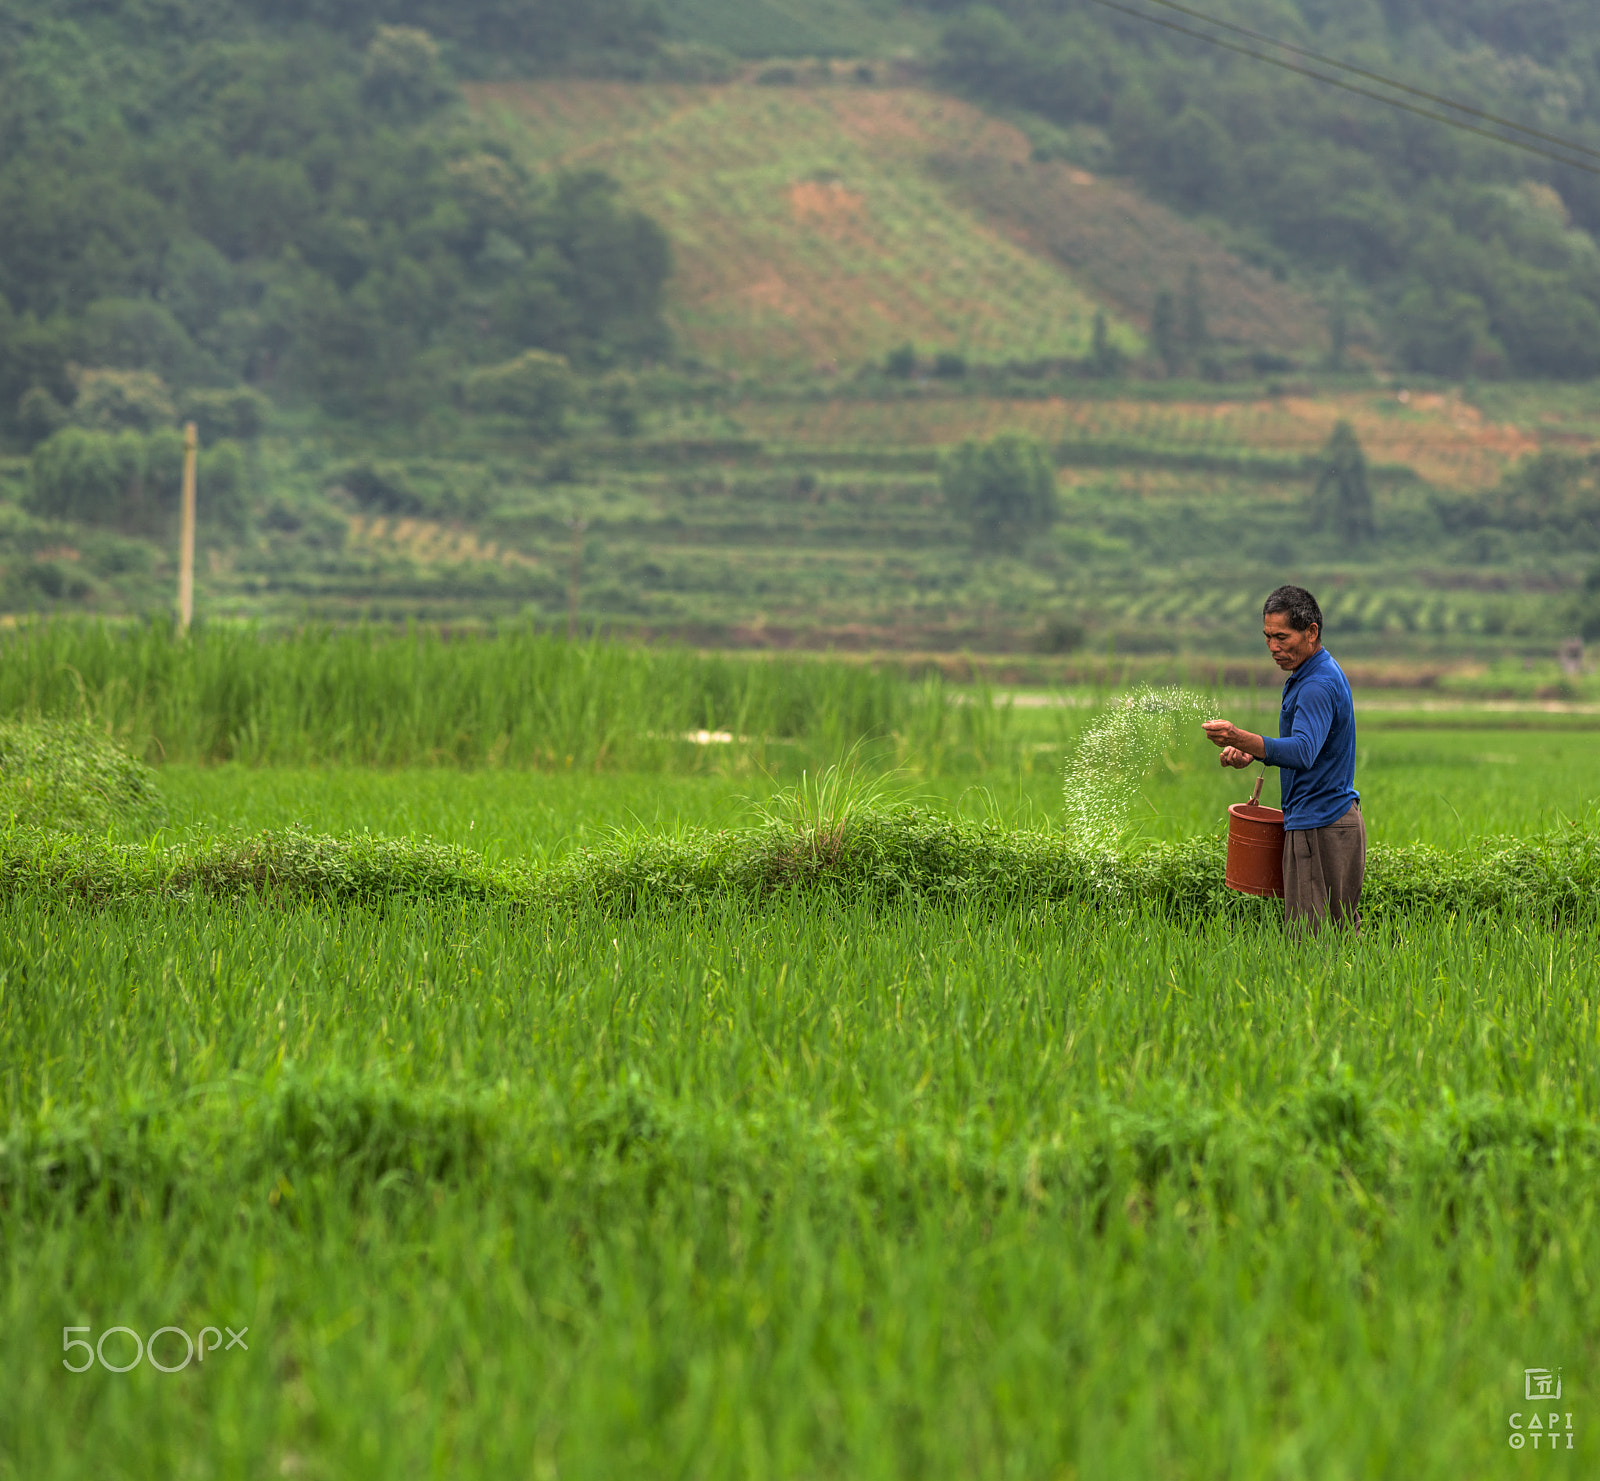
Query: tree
[
  {"x": 1164, "y": 331},
  {"x": 1586, "y": 611},
  {"x": 536, "y": 387},
  {"x": 1307, "y": 178},
  {"x": 86, "y": 475},
  {"x": 1338, "y": 324},
  {"x": 1194, "y": 332},
  {"x": 402, "y": 72},
  {"x": 38, "y": 415},
  {"x": 288, "y": 194},
  {"x": 240, "y": 413},
  {"x": 1005, "y": 489},
  {"x": 110, "y": 400},
  {"x": 1440, "y": 332},
  {"x": 1342, "y": 501},
  {"x": 1105, "y": 358}
]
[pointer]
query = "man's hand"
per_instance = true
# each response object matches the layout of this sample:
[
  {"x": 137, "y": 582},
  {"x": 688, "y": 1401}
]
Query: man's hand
[{"x": 1239, "y": 747}]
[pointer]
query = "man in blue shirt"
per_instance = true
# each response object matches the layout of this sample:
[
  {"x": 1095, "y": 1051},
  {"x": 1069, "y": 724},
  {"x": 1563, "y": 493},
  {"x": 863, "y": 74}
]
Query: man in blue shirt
[{"x": 1325, "y": 839}]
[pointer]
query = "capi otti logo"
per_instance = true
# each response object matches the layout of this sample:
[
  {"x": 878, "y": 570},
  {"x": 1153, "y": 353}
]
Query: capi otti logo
[{"x": 1541, "y": 1428}]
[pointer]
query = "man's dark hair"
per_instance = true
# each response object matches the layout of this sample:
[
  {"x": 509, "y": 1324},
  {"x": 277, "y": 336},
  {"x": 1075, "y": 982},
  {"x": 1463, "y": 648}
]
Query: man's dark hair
[{"x": 1298, "y": 605}]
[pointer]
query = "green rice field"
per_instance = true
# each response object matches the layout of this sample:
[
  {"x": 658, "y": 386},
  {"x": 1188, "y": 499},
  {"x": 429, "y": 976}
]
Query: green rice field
[{"x": 820, "y": 1181}]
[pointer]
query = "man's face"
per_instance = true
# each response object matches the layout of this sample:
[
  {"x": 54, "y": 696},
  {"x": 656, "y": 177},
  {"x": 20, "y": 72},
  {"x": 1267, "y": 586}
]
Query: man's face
[{"x": 1289, "y": 648}]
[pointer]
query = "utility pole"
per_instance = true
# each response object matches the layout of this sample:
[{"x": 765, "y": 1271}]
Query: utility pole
[
  {"x": 575, "y": 575},
  {"x": 191, "y": 445}
]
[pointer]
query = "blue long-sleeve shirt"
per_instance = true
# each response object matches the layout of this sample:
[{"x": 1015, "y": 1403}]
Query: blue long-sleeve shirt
[{"x": 1316, "y": 744}]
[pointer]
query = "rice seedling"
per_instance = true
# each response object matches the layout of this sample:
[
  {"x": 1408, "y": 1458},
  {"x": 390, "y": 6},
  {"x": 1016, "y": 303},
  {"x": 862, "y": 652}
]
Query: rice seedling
[
  {"x": 64, "y": 775},
  {"x": 521, "y": 697},
  {"x": 867, "y": 1137},
  {"x": 932, "y": 1191}
]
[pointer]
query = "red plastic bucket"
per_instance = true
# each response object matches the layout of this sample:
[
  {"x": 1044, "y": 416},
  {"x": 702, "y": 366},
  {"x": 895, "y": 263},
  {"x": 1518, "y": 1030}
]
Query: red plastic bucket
[{"x": 1255, "y": 849}]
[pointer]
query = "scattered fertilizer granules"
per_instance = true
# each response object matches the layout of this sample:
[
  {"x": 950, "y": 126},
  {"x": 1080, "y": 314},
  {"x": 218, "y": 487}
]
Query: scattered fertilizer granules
[{"x": 1116, "y": 752}]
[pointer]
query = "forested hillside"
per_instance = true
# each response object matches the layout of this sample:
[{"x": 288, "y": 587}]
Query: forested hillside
[
  {"x": 1476, "y": 258},
  {"x": 1480, "y": 256},
  {"x": 292, "y": 197}
]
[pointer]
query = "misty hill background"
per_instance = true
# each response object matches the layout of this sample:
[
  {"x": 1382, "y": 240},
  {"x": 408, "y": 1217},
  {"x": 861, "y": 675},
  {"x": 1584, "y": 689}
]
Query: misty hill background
[
  {"x": 447, "y": 286},
  {"x": 277, "y": 195}
]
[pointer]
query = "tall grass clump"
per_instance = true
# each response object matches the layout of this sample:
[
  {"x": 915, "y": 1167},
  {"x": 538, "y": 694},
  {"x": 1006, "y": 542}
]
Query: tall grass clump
[
  {"x": 63, "y": 775},
  {"x": 518, "y": 697}
]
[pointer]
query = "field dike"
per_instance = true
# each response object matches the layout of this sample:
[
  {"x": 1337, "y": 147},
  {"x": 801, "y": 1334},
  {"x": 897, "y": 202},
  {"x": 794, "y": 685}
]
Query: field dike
[{"x": 882, "y": 855}]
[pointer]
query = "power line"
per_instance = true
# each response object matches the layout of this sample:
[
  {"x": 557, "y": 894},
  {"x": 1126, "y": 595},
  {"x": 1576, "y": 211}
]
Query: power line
[
  {"x": 1350, "y": 87},
  {"x": 1404, "y": 87}
]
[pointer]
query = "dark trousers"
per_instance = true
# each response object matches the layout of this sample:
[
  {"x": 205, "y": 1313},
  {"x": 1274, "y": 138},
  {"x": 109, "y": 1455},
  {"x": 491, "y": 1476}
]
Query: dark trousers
[{"x": 1322, "y": 872}]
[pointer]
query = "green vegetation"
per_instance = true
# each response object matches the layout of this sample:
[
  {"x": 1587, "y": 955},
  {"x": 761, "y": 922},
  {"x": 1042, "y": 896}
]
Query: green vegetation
[
  {"x": 812, "y": 234},
  {"x": 226, "y": 194},
  {"x": 59, "y": 776},
  {"x": 897, "y": 1192},
  {"x": 782, "y": 1116},
  {"x": 1426, "y": 778},
  {"x": 437, "y": 384},
  {"x": 844, "y": 852},
  {"x": 1005, "y": 489},
  {"x": 1342, "y": 499},
  {"x": 1476, "y": 258},
  {"x": 378, "y": 698},
  {"x": 800, "y": 28},
  {"x": 586, "y": 1057},
  {"x": 824, "y": 524}
]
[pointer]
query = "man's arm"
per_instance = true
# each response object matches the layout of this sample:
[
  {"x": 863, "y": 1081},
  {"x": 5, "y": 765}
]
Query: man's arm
[
  {"x": 1239, "y": 747},
  {"x": 1313, "y": 719}
]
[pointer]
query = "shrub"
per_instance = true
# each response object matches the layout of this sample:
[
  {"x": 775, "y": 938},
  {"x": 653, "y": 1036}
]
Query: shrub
[
  {"x": 239, "y": 414},
  {"x": 617, "y": 398},
  {"x": 53, "y": 579},
  {"x": 832, "y": 845},
  {"x": 1005, "y": 489},
  {"x": 402, "y": 71},
  {"x": 39, "y": 415},
  {"x": 88, "y": 476},
  {"x": 1586, "y": 612},
  {"x": 398, "y": 488},
  {"x": 1060, "y": 634},
  {"x": 57, "y": 775},
  {"x": 1551, "y": 491},
  {"x": 114, "y": 400},
  {"x": 901, "y": 362},
  {"x": 536, "y": 387}
]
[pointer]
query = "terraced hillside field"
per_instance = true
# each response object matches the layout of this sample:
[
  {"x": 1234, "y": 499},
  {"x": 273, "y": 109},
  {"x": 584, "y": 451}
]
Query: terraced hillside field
[
  {"x": 825, "y": 225},
  {"x": 1441, "y": 437}
]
